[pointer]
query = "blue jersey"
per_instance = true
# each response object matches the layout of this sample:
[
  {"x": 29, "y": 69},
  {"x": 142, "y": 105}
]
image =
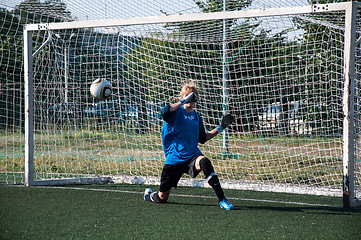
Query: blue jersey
[{"x": 180, "y": 135}]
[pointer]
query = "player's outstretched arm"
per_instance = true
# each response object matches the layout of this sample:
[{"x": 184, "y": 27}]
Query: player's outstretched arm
[
  {"x": 227, "y": 120},
  {"x": 211, "y": 134},
  {"x": 175, "y": 106},
  {"x": 192, "y": 97}
]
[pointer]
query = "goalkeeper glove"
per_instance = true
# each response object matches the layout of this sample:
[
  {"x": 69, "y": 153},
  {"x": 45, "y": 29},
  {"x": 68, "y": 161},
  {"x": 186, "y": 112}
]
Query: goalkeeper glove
[
  {"x": 227, "y": 119},
  {"x": 192, "y": 97}
]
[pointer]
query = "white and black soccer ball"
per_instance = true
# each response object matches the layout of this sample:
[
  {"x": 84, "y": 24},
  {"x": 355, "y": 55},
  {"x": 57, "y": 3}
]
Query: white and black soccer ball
[{"x": 101, "y": 89}]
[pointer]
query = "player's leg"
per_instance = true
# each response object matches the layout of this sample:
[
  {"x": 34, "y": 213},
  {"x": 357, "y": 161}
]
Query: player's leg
[
  {"x": 204, "y": 164},
  {"x": 171, "y": 175},
  {"x": 156, "y": 197},
  {"x": 164, "y": 195}
]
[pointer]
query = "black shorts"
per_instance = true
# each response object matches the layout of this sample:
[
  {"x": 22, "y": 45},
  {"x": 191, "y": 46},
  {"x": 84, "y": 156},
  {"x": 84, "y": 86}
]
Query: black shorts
[{"x": 171, "y": 174}]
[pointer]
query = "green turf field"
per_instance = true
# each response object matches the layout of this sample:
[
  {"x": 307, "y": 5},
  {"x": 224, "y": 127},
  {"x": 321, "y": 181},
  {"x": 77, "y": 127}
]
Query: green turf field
[{"x": 119, "y": 212}]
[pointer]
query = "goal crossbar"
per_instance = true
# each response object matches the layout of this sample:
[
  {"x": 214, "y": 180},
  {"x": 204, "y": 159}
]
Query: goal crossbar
[{"x": 316, "y": 8}]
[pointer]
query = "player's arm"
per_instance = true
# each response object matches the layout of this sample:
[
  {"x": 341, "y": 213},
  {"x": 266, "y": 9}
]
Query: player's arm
[
  {"x": 173, "y": 107},
  {"x": 192, "y": 97},
  {"x": 168, "y": 113},
  {"x": 204, "y": 136},
  {"x": 211, "y": 134}
]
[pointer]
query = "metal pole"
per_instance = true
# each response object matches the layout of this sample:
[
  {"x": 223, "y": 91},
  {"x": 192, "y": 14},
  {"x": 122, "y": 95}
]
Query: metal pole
[
  {"x": 29, "y": 112},
  {"x": 225, "y": 76},
  {"x": 348, "y": 106},
  {"x": 66, "y": 72}
]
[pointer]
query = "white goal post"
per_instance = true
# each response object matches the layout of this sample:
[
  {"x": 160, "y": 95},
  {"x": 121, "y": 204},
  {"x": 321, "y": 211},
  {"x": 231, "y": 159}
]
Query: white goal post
[{"x": 297, "y": 129}]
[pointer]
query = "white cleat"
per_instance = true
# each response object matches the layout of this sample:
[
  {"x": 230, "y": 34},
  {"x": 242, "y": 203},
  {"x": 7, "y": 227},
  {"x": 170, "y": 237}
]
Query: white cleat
[{"x": 147, "y": 193}]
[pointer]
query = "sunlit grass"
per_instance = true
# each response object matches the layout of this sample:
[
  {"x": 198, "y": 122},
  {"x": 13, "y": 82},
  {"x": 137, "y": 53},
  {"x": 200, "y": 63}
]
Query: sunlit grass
[{"x": 250, "y": 158}]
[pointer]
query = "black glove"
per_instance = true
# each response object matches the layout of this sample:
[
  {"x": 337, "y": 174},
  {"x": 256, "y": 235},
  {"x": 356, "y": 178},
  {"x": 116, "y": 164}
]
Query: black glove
[
  {"x": 227, "y": 119},
  {"x": 192, "y": 97}
]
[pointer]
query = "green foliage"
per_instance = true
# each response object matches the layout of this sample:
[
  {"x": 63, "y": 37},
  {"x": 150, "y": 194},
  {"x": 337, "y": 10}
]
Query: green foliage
[
  {"x": 328, "y": 1},
  {"x": 11, "y": 94},
  {"x": 36, "y": 11},
  {"x": 217, "y": 5},
  {"x": 11, "y": 47}
]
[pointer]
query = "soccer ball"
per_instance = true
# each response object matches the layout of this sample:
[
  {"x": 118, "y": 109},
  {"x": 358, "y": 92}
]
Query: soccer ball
[{"x": 101, "y": 89}]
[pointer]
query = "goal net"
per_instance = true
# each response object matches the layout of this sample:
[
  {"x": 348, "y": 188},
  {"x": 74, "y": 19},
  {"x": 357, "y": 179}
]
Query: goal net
[{"x": 289, "y": 75}]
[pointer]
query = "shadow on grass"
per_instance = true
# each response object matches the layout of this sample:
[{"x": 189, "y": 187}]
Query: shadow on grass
[
  {"x": 200, "y": 205},
  {"x": 322, "y": 210},
  {"x": 306, "y": 209}
]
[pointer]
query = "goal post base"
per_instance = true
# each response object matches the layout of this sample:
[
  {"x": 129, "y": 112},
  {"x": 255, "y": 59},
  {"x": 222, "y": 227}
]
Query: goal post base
[
  {"x": 356, "y": 204},
  {"x": 71, "y": 181},
  {"x": 233, "y": 184}
]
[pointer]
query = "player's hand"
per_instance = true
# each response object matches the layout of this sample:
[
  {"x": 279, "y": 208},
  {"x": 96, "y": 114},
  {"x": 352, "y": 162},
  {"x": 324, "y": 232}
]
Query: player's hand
[
  {"x": 227, "y": 119},
  {"x": 192, "y": 97}
]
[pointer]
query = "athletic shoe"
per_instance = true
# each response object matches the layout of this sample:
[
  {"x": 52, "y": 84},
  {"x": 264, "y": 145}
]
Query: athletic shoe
[
  {"x": 224, "y": 204},
  {"x": 147, "y": 193}
]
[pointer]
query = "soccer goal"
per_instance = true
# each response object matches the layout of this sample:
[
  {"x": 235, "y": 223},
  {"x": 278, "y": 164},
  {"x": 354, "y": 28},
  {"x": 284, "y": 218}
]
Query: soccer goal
[{"x": 291, "y": 76}]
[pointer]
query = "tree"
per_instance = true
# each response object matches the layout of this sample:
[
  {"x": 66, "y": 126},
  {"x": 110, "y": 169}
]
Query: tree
[
  {"x": 35, "y": 11},
  {"x": 217, "y": 5},
  {"x": 11, "y": 62},
  {"x": 11, "y": 92},
  {"x": 323, "y": 68}
]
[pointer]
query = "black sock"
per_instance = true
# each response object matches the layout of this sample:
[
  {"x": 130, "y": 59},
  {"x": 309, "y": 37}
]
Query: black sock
[
  {"x": 216, "y": 185},
  {"x": 155, "y": 198}
]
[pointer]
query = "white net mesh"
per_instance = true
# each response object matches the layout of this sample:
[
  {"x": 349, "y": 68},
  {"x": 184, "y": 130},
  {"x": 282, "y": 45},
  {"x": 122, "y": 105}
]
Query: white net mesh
[{"x": 284, "y": 79}]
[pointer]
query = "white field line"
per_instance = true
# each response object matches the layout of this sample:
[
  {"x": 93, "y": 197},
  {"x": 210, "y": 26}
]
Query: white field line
[{"x": 198, "y": 196}]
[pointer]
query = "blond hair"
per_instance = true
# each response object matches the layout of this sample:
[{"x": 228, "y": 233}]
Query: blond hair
[{"x": 187, "y": 88}]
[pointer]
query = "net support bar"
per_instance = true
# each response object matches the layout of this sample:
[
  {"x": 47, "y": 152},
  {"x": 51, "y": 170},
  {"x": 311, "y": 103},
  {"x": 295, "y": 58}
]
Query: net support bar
[
  {"x": 29, "y": 114},
  {"x": 225, "y": 75},
  {"x": 349, "y": 199}
]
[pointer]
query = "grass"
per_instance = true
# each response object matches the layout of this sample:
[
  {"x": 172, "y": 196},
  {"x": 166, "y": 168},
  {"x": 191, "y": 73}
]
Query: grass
[{"x": 118, "y": 211}]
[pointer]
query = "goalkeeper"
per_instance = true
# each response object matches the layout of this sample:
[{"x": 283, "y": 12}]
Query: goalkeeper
[{"x": 182, "y": 130}]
